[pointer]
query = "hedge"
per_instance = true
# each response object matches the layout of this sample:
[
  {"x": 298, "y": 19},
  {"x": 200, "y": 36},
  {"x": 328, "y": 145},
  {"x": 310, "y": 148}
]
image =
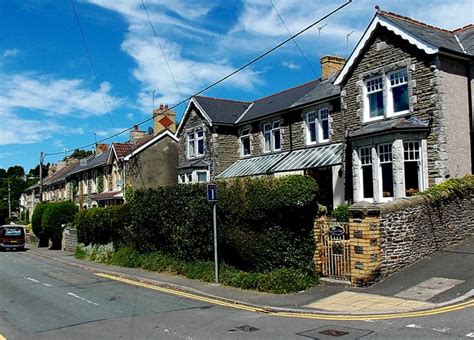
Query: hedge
[
  {"x": 36, "y": 224},
  {"x": 263, "y": 224},
  {"x": 103, "y": 225},
  {"x": 55, "y": 215}
]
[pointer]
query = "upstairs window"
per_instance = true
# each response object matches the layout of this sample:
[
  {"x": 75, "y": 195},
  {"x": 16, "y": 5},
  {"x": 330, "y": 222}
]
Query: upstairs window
[
  {"x": 195, "y": 143},
  {"x": 245, "y": 142},
  {"x": 375, "y": 97},
  {"x": 272, "y": 136},
  {"x": 386, "y": 95},
  {"x": 317, "y": 126}
]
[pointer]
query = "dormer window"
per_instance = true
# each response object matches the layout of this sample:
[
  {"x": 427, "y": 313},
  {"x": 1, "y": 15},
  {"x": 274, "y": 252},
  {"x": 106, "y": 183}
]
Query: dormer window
[
  {"x": 386, "y": 95},
  {"x": 245, "y": 143},
  {"x": 195, "y": 143}
]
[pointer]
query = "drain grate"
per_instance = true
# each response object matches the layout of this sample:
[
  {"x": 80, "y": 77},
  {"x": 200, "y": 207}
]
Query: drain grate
[
  {"x": 332, "y": 331},
  {"x": 247, "y": 328}
]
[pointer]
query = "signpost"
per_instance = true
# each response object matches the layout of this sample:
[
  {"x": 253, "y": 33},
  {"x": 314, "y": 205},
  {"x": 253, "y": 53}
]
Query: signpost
[{"x": 212, "y": 197}]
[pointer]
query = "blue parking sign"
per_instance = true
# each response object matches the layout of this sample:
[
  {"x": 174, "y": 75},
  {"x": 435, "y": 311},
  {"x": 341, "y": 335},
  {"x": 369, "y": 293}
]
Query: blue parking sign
[{"x": 212, "y": 192}]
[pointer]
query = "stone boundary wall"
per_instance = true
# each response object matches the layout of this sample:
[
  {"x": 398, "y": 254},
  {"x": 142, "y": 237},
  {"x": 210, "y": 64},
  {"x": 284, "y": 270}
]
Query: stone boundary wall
[
  {"x": 69, "y": 242},
  {"x": 412, "y": 228}
]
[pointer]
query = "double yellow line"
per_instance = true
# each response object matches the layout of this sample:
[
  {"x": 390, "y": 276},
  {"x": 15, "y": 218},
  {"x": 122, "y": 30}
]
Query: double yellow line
[{"x": 319, "y": 316}]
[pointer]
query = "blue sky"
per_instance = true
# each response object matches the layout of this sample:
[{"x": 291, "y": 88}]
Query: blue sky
[{"x": 50, "y": 100}]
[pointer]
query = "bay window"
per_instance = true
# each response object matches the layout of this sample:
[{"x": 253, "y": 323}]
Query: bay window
[
  {"x": 412, "y": 167},
  {"x": 386, "y": 169},
  {"x": 367, "y": 174}
]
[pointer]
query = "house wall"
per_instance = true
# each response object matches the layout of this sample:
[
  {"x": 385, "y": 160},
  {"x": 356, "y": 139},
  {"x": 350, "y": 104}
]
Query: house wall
[
  {"x": 387, "y": 52},
  {"x": 194, "y": 120},
  {"x": 226, "y": 147},
  {"x": 455, "y": 105},
  {"x": 155, "y": 166}
]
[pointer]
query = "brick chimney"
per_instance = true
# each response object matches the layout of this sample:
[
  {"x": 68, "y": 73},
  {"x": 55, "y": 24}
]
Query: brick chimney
[
  {"x": 136, "y": 134},
  {"x": 101, "y": 147},
  {"x": 164, "y": 119},
  {"x": 331, "y": 64}
]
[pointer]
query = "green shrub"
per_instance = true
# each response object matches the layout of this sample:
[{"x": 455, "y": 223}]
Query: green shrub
[
  {"x": 54, "y": 217},
  {"x": 36, "y": 224},
  {"x": 127, "y": 257},
  {"x": 341, "y": 213},
  {"x": 263, "y": 224},
  {"x": 98, "y": 252},
  {"x": 449, "y": 189},
  {"x": 103, "y": 225}
]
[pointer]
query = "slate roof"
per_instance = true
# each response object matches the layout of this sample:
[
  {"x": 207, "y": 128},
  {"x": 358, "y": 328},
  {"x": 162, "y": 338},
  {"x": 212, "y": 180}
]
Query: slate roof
[
  {"x": 466, "y": 36},
  {"x": 390, "y": 125},
  {"x": 278, "y": 102},
  {"x": 93, "y": 161},
  {"x": 324, "y": 89},
  {"x": 60, "y": 175},
  {"x": 222, "y": 111},
  {"x": 434, "y": 36}
]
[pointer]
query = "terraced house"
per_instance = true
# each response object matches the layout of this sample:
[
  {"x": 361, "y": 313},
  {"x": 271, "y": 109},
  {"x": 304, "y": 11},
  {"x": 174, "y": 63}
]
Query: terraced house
[
  {"x": 406, "y": 107},
  {"x": 391, "y": 121}
]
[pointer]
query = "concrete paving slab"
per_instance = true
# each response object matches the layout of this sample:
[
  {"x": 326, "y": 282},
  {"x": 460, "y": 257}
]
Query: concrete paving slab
[
  {"x": 429, "y": 288},
  {"x": 365, "y": 303}
]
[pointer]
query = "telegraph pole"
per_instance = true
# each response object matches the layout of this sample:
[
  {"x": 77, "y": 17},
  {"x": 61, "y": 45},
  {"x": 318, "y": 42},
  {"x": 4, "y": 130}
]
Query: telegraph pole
[{"x": 41, "y": 175}]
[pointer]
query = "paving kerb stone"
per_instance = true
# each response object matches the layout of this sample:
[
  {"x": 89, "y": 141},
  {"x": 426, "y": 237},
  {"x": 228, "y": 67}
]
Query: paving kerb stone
[{"x": 264, "y": 308}]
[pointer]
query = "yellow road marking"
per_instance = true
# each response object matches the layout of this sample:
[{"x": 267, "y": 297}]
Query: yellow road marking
[
  {"x": 2, "y": 337},
  {"x": 451, "y": 308}
]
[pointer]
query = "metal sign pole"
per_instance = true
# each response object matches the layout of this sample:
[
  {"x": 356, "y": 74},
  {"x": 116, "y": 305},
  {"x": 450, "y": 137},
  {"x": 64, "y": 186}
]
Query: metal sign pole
[{"x": 216, "y": 262}]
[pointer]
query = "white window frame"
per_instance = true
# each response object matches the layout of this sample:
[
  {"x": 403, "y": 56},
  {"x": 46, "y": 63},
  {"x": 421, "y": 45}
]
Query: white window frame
[
  {"x": 245, "y": 134},
  {"x": 317, "y": 122},
  {"x": 387, "y": 94},
  {"x": 193, "y": 136},
  {"x": 192, "y": 177},
  {"x": 361, "y": 165},
  {"x": 321, "y": 138},
  {"x": 196, "y": 175},
  {"x": 270, "y": 129},
  {"x": 381, "y": 160},
  {"x": 311, "y": 119},
  {"x": 419, "y": 161}
]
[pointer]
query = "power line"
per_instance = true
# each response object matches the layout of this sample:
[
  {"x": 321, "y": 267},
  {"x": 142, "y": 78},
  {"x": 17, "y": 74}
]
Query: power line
[
  {"x": 253, "y": 61},
  {"x": 92, "y": 64},
  {"x": 294, "y": 41},
  {"x": 162, "y": 50}
]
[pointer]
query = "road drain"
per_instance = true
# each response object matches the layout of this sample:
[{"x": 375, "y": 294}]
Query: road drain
[
  {"x": 332, "y": 331},
  {"x": 245, "y": 328}
]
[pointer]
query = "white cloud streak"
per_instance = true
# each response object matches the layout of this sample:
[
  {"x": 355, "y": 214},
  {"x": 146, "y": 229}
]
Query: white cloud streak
[{"x": 10, "y": 53}]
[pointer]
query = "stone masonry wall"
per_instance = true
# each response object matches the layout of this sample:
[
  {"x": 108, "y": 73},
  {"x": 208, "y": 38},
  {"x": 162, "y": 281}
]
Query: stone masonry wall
[
  {"x": 69, "y": 242},
  {"x": 387, "y": 52},
  {"x": 412, "y": 228}
]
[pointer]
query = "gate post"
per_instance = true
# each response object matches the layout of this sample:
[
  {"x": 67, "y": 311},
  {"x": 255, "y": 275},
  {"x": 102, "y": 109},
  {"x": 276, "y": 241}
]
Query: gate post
[
  {"x": 364, "y": 226},
  {"x": 318, "y": 254}
]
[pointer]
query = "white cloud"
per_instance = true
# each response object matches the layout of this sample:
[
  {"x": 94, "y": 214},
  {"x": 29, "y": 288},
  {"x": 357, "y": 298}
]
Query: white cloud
[
  {"x": 10, "y": 53},
  {"x": 54, "y": 97},
  {"x": 109, "y": 132},
  {"x": 130, "y": 116},
  {"x": 291, "y": 65}
]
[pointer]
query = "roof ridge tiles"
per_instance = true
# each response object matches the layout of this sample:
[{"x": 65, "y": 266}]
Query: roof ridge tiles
[
  {"x": 462, "y": 29},
  {"x": 224, "y": 99},
  {"x": 411, "y": 20}
]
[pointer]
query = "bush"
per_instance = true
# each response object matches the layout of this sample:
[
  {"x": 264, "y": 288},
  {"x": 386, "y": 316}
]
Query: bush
[
  {"x": 449, "y": 189},
  {"x": 341, "y": 213},
  {"x": 263, "y": 224},
  {"x": 54, "y": 216},
  {"x": 98, "y": 253},
  {"x": 102, "y": 225},
  {"x": 36, "y": 224}
]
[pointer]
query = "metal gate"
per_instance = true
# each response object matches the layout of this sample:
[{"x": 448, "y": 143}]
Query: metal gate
[{"x": 334, "y": 251}]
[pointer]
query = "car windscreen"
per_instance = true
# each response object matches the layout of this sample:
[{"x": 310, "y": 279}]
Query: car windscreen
[{"x": 13, "y": 231}]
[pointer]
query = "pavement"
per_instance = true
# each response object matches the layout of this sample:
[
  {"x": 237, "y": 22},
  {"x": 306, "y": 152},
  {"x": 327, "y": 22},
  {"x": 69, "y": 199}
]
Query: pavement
[{"x": 440, "y": 282}]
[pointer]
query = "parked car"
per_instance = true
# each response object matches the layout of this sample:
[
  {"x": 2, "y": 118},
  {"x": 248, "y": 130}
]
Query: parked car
[{"x": 12, "y": 237}]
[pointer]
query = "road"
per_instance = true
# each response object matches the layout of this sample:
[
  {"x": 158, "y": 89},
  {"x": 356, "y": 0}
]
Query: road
[{"x": 42, "y": 299}]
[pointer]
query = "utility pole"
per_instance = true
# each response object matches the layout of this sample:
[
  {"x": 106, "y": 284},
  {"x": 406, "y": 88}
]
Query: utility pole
[
  {"x": 9, "y": 201},
  {"x": 41, "y": 175}
]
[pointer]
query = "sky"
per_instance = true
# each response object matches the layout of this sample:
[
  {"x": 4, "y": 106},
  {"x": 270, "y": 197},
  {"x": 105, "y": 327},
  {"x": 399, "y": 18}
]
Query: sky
[{"x": 54, "y": 100}]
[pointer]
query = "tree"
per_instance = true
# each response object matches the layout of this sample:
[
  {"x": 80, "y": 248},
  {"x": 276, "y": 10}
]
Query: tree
[
  {"x": 54, "y": 217},
  {"x": 79, "y": 154},
  {"x": 3, "y": 173},
  {"x": 15, "y": 171},
  {"x": 35, "y": 171}
]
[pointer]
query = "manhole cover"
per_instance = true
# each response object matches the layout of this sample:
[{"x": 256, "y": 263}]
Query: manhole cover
[
  {"x": 248, "y": 329},
  {"x": 334, "y": 332}
]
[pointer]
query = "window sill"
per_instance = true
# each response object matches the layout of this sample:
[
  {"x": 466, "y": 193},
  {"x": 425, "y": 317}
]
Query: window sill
[{"x": 387, "y": 117}]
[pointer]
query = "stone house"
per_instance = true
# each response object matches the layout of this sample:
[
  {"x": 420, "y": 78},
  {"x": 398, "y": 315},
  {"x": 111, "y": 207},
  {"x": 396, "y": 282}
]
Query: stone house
[
  {"x": 406, "y": 108},
  {"x": 294, "y": 131}
]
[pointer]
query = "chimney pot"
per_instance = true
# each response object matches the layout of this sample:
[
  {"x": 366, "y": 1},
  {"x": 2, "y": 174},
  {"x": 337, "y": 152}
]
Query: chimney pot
[
  {"x": 161, "y": 106},
  {"x": 135, "y": 128}
]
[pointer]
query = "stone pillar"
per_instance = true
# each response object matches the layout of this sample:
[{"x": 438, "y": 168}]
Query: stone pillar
[
  {"x": 318, "y": 254},
  {"x": 364, "y": 226},
  {"x": 375, "y": 175},
  {"x": 356, "y": 173},
  {"x": 398, "y": 169}
]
